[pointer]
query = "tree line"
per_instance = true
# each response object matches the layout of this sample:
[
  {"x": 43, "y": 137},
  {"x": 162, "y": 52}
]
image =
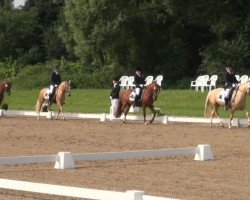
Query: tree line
[{"x": 98, "y": 39}]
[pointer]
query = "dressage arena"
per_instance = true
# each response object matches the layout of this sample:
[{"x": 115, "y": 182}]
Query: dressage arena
[{"x": 226, "y": 177}]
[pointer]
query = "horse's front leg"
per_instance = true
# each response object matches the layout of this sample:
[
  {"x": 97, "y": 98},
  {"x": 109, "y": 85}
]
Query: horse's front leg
[
  {"x": 248, "y": 119},
  {"x": 60, "y": 109},
  {"x": 154, "y": 113},
  {"x": 144, "y": 114}
]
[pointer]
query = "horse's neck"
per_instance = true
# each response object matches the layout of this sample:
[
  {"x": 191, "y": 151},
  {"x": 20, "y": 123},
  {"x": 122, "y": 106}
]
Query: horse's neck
[
  {"x": 240, "y": 95},
  {"x": 2, "y": 85}
]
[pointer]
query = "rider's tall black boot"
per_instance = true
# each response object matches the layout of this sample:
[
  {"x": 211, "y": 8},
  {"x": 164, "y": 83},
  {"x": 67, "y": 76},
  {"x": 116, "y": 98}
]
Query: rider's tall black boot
[{"x": 226, "y": 103}]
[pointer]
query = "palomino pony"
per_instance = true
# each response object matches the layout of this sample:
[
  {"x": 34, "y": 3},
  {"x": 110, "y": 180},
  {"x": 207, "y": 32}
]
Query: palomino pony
[
  {"x": 149, "y": 95},
  {"x": 238, "y": 102},
  {"x": 59, "y": 97},
  {"x": 5, "y": 87}
]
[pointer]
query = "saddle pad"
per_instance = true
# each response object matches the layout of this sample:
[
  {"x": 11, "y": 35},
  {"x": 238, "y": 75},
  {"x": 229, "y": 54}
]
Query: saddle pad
[
  {"x": 221, "y": 96},
  {"x": 46, "y": 95}
]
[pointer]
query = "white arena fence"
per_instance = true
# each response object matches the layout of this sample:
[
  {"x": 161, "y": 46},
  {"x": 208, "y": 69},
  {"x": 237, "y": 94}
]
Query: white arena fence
[
  {"x": 75, "y": 191},
  {"x": 237, "y": 122},
  {"x": 66, "y": 160}
]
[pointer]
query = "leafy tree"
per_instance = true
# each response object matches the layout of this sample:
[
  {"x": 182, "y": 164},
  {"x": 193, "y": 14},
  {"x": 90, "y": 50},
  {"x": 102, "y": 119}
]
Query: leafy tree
[{"x": 18, "y": 31}]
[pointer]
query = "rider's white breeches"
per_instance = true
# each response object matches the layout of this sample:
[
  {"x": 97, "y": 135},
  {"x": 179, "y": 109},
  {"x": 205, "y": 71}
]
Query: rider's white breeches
[
  {"x": 137, "y": 91},
  {"x": 51, "y": 88},
  {"x": 227, "y": 91}
]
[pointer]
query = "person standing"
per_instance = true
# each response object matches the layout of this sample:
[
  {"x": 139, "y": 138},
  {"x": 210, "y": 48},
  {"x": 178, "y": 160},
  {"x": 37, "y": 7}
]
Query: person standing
[
  {"x": 231, "y": 82},
  {"x": 55, "y": 81},
  {"x": 139, "y": 82},
  {"x": 114, "y": 95}
]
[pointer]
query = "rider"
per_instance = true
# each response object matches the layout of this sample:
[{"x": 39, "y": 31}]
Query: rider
[
  {"x": 114, "y": 94},
  {"x": 55, "y": 82},
  {"x": 139, "y": 82},
  {"x": 231, "y": 82}
]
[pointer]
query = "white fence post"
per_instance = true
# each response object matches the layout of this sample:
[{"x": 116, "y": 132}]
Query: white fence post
[
  {"x": 203, "y": 153},
  {"x": 1, "y": 112},
  {"x": 103, "y": 117},
  {"x": 165, "y": 119},
  {"x": 64, "y": 161},
  {"x": 135, "y": 194},
  {"x": 49, "y": 115}
]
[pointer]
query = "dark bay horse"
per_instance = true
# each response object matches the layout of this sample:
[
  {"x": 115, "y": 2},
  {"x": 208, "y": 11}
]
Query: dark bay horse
[
  {"x": 59, "y": 97},
  {"x": 238, "y": 102},
  {"x": 149, "y": 95},
  {"x": 5, "y": 87}
]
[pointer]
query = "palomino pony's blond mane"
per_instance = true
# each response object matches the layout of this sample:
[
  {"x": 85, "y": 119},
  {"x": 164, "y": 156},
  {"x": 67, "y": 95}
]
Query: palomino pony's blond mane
[
  {"x": 238, "y": 102},
  {"x": 60, "y": 98}
]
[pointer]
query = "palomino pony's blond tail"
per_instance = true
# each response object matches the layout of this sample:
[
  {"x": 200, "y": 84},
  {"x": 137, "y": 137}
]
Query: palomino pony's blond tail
[
  {"x": 207, "y": 107},
  {"x": 119, "y": 110},
  {"x": 37, "y": 106}
]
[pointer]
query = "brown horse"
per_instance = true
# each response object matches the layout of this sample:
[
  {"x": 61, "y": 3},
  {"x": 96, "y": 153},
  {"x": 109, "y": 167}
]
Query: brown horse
[
  {"x": 149, "y": 95},
  {"x": 238, "y": 102},
  {"x": 5, "y": 87},
  {"x": 59, "y": 97}
]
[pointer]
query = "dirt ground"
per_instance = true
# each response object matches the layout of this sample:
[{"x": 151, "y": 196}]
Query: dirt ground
[{"x": 227, "y": 177}]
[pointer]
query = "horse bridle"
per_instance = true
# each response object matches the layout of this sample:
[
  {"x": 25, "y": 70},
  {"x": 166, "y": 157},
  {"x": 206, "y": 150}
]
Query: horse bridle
[{"x": 7, "y": 88}]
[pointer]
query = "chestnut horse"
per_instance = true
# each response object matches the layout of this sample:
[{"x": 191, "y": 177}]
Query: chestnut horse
[
  {"x": 59, "y": 97},
  {"x": 238, "y": 102},
  {"x": 149, "y": 95},
  {"x": 5, "y": 87}
]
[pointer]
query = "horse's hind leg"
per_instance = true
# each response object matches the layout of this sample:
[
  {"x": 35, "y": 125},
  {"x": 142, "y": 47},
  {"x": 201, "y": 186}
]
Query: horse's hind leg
[
  {"x": 39, "y": 107},
  {"x": 215, "y": 112},
  {"x": 126, "y": 109}
]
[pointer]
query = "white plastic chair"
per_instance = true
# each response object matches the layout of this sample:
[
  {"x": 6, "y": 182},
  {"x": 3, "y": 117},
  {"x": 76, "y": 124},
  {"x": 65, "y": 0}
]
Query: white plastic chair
[
  {"x": 212, "y": 82},
  {"x": 123, "y": 82},
  {"x": 197, "y": 83},
  {"x": 243, "y": 79},
  {"x": 159, "y": 79},
  {"x": 131, "y": 82},
  {"x": 149, "y": 80},
  {"x": 237, "y": 77}
]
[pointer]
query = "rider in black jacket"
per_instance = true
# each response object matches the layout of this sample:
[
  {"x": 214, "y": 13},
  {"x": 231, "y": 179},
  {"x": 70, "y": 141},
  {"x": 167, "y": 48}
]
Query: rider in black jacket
[
  {"x": 139, "y": 82},
  {"x": 231, "y": 82},
  {"x": 55, "y": 82}
]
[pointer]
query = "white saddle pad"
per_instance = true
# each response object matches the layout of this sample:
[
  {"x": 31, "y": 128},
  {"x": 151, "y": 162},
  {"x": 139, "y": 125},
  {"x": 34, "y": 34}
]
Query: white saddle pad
[
  {"x": 132, "y": 96},
  {"x": 221, "y": 96},
  {"x": 46, "y": 95}
]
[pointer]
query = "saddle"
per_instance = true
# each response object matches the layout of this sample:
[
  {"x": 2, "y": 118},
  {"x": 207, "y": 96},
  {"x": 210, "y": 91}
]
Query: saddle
[
  {"x": 133, "y": 95},
  {"x": 222, "y": 94}
]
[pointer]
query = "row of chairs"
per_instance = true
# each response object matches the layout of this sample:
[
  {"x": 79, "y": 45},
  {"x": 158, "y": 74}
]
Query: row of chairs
[
  {"x": 204, "y": 82},
  {"x": 127, "y": 82}
]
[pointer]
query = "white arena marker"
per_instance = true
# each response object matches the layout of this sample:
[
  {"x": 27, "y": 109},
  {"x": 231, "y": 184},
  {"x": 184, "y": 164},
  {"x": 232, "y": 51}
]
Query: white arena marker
[
  {"x": 1, "y": 112},
  {"x": 203, "y": 153},
  {"x": 135, "y": 194},
  {"x": 165, "y": 119},
  {"x": 49, "y": 115},
  {"x": 103, "y": 117},
  {"x": 64, "y": 161}
]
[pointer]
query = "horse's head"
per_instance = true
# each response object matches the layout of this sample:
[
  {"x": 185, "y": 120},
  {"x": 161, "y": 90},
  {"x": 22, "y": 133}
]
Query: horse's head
[
  {"x": 65, "y": 86},
  {"x": 7, "y": 87}
]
